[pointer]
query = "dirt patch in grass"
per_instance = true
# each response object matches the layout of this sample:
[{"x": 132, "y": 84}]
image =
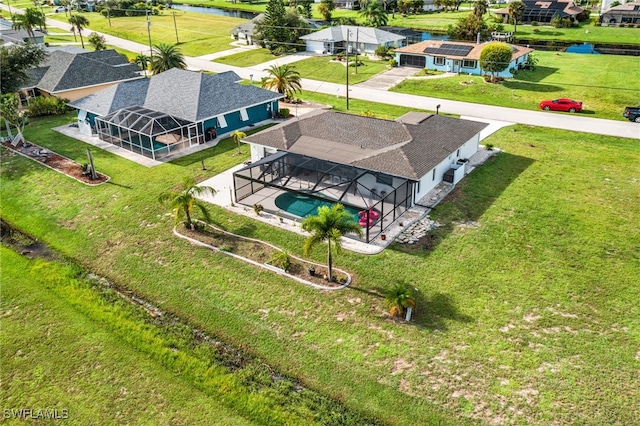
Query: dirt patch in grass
[
  {"x": 264, "y": 253},
  {"x": 56, "y": 162}
]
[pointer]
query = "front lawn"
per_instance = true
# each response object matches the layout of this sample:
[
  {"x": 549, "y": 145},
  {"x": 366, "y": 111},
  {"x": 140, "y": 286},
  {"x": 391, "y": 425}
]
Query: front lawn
[
  {"x": 327, "y": 68},
  {"x": 601, "y": 82},
  {"x": 526, "y": 307},
  {"x": 247, "y": 58}
]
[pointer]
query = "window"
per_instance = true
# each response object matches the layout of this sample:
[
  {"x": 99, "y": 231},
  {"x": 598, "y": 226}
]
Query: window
[
  {"x": 221, "y": 121},
  {"x": 438, "y": 60},
  {"x": 385, "y": 180},
  {"x": 433, "y": 177},
  {"x": 458, "y": 154},
  {"x": 468, "y": 64}
]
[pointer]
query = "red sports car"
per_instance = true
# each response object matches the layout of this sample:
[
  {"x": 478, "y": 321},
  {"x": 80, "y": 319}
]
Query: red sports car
[{"x": 562, "y": 104}]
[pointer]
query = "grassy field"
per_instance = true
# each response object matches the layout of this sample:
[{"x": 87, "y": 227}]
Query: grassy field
[
  {"x": 602, "y": 85},
  {"x": 56, "y": 356},
  {"x": 247, "y": 59},
  {"x": 526, "y": 298}
]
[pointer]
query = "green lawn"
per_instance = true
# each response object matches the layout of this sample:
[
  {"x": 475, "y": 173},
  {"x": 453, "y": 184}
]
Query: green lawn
[
  {"x": 326, "y": 68},
  {"x": 602, "y": 83},
  {"x": 55, "y": 356},
  {"x": 248, "y": 58},
  {"x": 528, "y": 314}
]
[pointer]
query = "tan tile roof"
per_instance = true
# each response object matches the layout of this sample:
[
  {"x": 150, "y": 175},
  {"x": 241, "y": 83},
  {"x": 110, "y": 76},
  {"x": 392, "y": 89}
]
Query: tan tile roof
[{"x": 474, "y": 54}]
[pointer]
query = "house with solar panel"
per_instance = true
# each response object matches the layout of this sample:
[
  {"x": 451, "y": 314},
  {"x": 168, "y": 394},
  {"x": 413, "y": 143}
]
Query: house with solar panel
[
  {"x": 173, "y": 111},
  {"x": 378, "y": 169},
  {"x": 340, "y": 38},
  {"x": 543, "y": 11},
  {"x": 455, "y": 57}
]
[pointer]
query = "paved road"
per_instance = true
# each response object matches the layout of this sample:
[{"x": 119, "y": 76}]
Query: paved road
[{"x": 535, "y": 118}]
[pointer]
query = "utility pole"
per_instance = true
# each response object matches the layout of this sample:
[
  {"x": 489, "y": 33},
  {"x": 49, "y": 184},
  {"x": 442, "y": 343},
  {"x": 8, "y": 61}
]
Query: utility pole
[
  {"x": 149, "y": 34},
  {"x": 357, "y": 33},
  {"x": 175, "y": 26},
  {"x": 347, "y": 52}
]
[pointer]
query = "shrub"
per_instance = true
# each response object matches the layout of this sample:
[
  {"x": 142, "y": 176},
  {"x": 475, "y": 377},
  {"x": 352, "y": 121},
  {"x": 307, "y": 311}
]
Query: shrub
[
  {"x": 284, "y": 112},
  {"x": 281, "y": 260},
  {"x": 258, "y": 208},
  {"x": 393, "y": 62},
  {"x": 535, "y": 30},
  {"x": 383, "y": 52},
  {"x": 534, "y": 23},
  {"x": 41, "y": 106},
  {"x": 489, "y": 146}
]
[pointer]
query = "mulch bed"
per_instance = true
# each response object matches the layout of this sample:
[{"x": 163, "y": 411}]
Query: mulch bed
[
  {"x": 56, "y": 162},
  {"x": 260, "y": 252}
]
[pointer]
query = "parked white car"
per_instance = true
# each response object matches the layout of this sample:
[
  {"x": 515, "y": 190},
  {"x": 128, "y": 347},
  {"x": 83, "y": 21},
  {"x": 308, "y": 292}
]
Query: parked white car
[{"x": 59, "y": 9}]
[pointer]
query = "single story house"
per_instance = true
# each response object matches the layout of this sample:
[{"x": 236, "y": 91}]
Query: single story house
[
  {"x": 458, "y": 57},
  {"x": 73, "y": 75},
  {"x": 543, "y": 11},
  {"x": 10, "y": 35},
  {"x": 365, "y": 39},
  {"x": 246, "y": 30},
  {"x": 365, "y": 163},
  {"x": 173, "y": 111},
  {"x": 628, "y": 13}
]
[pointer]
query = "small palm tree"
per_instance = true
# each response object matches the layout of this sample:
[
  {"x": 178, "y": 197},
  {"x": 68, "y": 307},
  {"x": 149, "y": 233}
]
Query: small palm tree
[
  {"x": 284, "y": 79},
  {"x": 142, "y": 61},
  {"x": 516, "y": 10},
  {"x": 165, "y": 57},
  {"x": 183, "y": 201},
  {"x": 78, "y": 23},
  {"x": 374, "y": 13},
  {"x": 329, "y": 225},
  {"x": 398, "y": 299},
  {"x": 480, "y": 7},
  {"x": 238, "y": 136}
]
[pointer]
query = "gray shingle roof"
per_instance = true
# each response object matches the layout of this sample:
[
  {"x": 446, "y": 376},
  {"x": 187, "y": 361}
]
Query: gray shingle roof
[
  {"x": 68, "y": 71},
  {"x": 366, "y": 35},
  {"x": 409, "y": 147},
  {"x": 188, "y": 95}
]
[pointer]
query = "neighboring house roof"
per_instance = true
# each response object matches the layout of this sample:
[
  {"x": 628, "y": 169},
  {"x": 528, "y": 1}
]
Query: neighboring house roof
[
  {"x": 9, "y": 35},
  {"x": 250, "y": 26},
  {"x": 457, "y": 50},
  {"x": 563, "y": 8},
  {"x": 628, "y": 9},
  {"x": 365, "y": 35},
  {"x": 188, "y": 95},
  {"x": 409, "y": 147},
  {"x": 62, "y": 71}
]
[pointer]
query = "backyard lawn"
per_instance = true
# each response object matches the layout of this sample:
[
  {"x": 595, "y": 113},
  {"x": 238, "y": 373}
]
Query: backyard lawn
[
  {"x": 601, "y": 82},
  {"x": 527, "y": 305}
]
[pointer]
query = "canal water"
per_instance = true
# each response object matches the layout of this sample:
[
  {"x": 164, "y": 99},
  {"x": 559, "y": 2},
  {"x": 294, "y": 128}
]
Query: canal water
[{"x": 233, "y": 13}]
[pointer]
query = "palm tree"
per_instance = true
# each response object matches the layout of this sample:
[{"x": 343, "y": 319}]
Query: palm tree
[
  {"x": 31, "y": 19},
  {"x": 183, "y": 201},
  {"x": 480, "y": 7},
  {"x": 237, "y": 136},
  {"x": 78, "y": 23},
  {"x": 516, "y": 10},
  {"x": 374, "y": 13},
  {"x": 329, "y": 225},
  {"x": 284, "y": 78},
  {"x": 398, "y": 298},
  {"x": 166, "y": 56},
  {"x": 142, "y": 61}
]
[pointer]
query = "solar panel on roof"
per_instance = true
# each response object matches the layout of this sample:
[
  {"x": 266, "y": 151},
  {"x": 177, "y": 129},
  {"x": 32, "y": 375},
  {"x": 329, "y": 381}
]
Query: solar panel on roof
[{"x": 450, "y": 49}]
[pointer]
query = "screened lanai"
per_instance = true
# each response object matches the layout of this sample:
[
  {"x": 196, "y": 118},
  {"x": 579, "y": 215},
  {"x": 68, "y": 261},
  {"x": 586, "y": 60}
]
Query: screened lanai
[
  {"x": 150, "y": 133},
  {"x": 296, "y": 185}
]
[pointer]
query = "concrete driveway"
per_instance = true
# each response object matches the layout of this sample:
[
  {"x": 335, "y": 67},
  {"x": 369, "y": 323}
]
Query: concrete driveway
[{"x": 388, "y": 79}]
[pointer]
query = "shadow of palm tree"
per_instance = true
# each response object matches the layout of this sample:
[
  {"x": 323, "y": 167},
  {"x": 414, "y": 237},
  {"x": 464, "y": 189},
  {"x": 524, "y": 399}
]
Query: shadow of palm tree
[{"x": 435, "y": 312}]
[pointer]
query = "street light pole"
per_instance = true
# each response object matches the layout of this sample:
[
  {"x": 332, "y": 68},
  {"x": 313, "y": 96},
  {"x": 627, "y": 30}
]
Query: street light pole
[
  {"x": 175, "y": 26},
  {"x": 149, "y": 34},
  {"x": 347, "y": 52}
]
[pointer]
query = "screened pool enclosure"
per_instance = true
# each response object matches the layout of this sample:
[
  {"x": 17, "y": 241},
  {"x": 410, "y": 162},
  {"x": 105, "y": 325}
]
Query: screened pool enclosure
[
  {"x": 375, "y": 199},
  {"x": 150, "y": 133}
]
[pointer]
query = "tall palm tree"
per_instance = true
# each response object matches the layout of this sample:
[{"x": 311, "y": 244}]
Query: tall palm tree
[
  {"x": 328, "y": 226},
  {"x": 398, "y": 298},
  {"x": 28, "y": 21},
  {"x": 184, "y": 200},
  {"x": 374, "y": 13},
  {"x": 166, "y": 56},
  {"x": 142, "y": 61},
  {"x": 516, "y": 10},
  {"x": 78, "y": 23},
  {"x": 237, "y": 136},
  {"x": 284, "y": 78},
  {"x": 480, "y": 7}
]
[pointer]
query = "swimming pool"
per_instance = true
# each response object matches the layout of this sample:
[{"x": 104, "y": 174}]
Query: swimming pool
[{"x": 303, "y": 206}]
